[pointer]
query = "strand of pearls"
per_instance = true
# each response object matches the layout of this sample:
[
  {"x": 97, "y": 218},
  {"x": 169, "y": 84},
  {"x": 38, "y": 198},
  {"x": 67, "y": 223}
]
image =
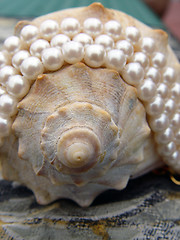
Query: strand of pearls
[{"x": 50, "y": 46}]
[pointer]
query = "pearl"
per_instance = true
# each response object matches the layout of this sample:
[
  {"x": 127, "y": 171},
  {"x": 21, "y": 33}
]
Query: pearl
[
  {"x": 59, "y": 40},
  {"x": 155, "y": 107},
  {"x": 4, "y": 59},
  {"x": 12, "y": 44},
  {"x": 175, "y": 121},
  {"x": 19, "y": 57},
  {"x": 169, "y": 75},
  {"x": 38, "y": 46},
  {"x": 147, "y": 90},
  {"x": 175, "y": 91},
  {"x": 160, "y": 123},
  {"x": 158, "y": 60},
  {"x": 70, "y": 26},
  {"x": 84, "y": 39},
  {"x": 177, "y": 139},
  {"x": 115, "y": 59},
  {"x": 52, "y": 58},
  {"x": 29, "y": 33},
  {"x": 113, "y": 29},
  {"x": 31, "y": 67},
  {"x": 170, "y": 106},
  {"x": 154, "y": 74},
  {"x": 49, "y": 29},
  {"x": 133, "y": 73},
  {"x": 165, "y": 136},
  {"x": 162, "y": 90},
  {"x": 148, "y": 45},
  {"x": 141, "y": 58},
  {"x": 126, "y": 47},
  {"x": 2, "y": 90},
  {"x": 132, "y": 34},
  {"x": 167, "y": 150},
  {"x": 8, "y": 105},
  {"x": 94, "y": 55},
  {"x": 5, "y": 73},
  {"x": 174, "y": 158},
  {"x": 105, "y": 40},
  {"x": 18, "y": 86},
  {"x": 92, "y": 26},
  {"x": 73, "y": 52},
  {"x": 5, "y": 126}
]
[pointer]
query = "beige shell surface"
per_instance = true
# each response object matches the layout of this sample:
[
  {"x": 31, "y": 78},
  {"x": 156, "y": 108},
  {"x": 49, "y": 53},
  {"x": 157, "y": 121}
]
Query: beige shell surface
[{"x": 82, "y": 129}]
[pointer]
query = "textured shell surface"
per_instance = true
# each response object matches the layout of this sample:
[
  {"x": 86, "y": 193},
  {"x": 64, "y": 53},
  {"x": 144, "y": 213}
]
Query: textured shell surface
[{"x": 89, "y": 98}]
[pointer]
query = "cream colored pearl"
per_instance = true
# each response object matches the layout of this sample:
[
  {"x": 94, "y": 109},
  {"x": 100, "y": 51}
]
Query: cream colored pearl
[
  {"x": 115, "y": 59},
  {"x": 169, "y": 75},
  {"x": 170, "y": 106},
  {"x": 132, "y": 34},
  {"x": 177, "y": 139},
  {"x": 38, "y": 46},
  {"x": 5, "y": 126},
  {"x": 52, "y": 58},
  {"x": 158, "y": 60},
  {"x": 106, "y": 41},
  {"x": 175, "y": 121},
  {"x": 147, "y": 90},
  {"x": 18, "y": 86},
  {"x": 19, "y": 57},
  {"x": 174, "y": 158},
  {"x": 31, "y": 67},
  {"x": 2, "y": 90},
  {"x": 8, "y": 105},
  {"x": 165, "y": 136},
  {"x": 5, "y": 73},
  {"x": 155, "y": 107},
  {"x": 162, "y": 90},
  {"x": 154, "y": 74},
  {"x": 175, "y": 91},
  {"x": 29, "y": 33},
  {"x": 84, "y": 39},
  {"x": 12, "y": 44},
  {"x": 94, "y": 55},
  {"x": 160, "y": 123},
  {"x": 141, "y": 58},
  {"x": 168, "y": 149},
  {"x": 70, "y": 26},
  {"x": 126, "y": 47},
  {"x": 133, "y": 73},
  {"x": 59, "y": 40},
  {"x": 4, "y": 59},
  {"x": 93, "y": 26},
  {"x": 73, "y": 52},
  {"x": 148, "y": 45},
  {"x": 113, "y": 29},
  {"x": 49, "y": 29}
]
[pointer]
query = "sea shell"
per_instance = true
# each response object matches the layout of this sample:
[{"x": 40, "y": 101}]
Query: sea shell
[{"x": 89, "y": 98}]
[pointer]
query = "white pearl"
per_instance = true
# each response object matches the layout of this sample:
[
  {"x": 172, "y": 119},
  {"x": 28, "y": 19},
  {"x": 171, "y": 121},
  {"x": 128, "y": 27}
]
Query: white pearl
[
  {"x": 168, "y": 149},
  {"x": 12, "y": 44},
  {"x": 5, "y": 126},
  {"x": 126, "y": 47},
  {"x": 175, "y": 121},
  {"x": 133, "y": 73},
  {"x": 141, "y": 58},
  {"x": 115, "y": 59},
  {"x": 52, "y": 58},
  {"x": 94, "y": 55},
  {"x": 165, "y": 136},
  {"x": 162, "y": 90},
  {"x": 175, "y": 91},
  {"x": 18, "y": 86},
  {"x": 177, "y": 139},
  {"x": 169, "y": 75},
  {"x": 160, "y": 123},
  {"x": 29, "y": 33},
  {"x": 170, "y": 106},
  {"x": 154, "y": 74},
  {"x": 156, "y": 106},
  {"x": 147, "y": 90},
  {"x": 113, "y": 29},
  {"x": 132, "y": 34},
  {"x": 5, "y": 73},
  {"x": 73, "y": 52},
  {"x": 158, "y": 60},
  {"x": 4, "y": 59},
  {"x": 93, "y": 26},
  {"x": 148, "y": 45},
  {"x": 84, "y": 39},
  {"x": 19, "y": 57},
  {"x": 70, "y": 26},
  {"x": 31, "y": 67},
  {"x": 174, "y": 158},
  {"x": 105, "y": 40},
  {"x": 2, "y": 90},
  {"x": 8, "y": 105},
  {"x": 48, "y": 29},
  {"x": 59, "y": 40},
  {"x": 38, "y": 46}
]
